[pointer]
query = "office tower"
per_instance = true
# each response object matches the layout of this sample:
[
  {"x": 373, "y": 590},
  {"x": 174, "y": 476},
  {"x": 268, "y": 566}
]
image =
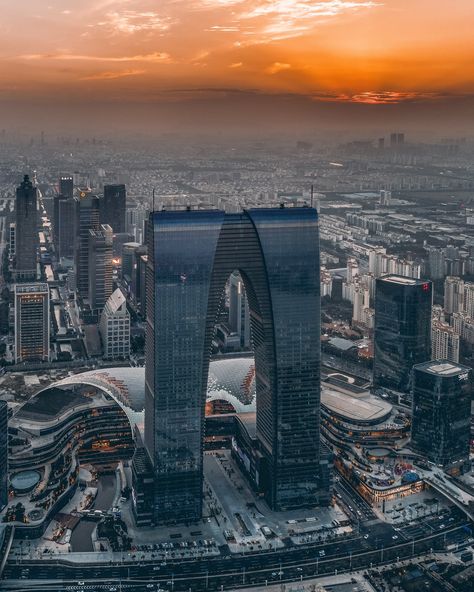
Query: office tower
[
  {"x": 112, "y": 207},
  {"x": 402, "y": 330},
  {"x": 381, "y": 143},
  {"x": 63, "y": 225},
  {"x": 86, "y": 218},
  {"x": 191, "y": 254},
  {"x": 100, "y": 266},
  {"x": 400, "y": 139},
  {"x": 128, "y": 260},
  {"x": 66, "y": 187},
  {"x": 239, "y": 314},
  {"x": 32, "y": 322},
  {"x": 27, "y": 241},
  {"x": 3, "y": 454},
  {"x": 444, "y": 342},
  {"x": 115, "y": 327},
  {"x": 453, "y": 294},
  {"x": 393, "y": 139},
  {"x": 441, "y": 420},
  {"x": 139, "y": 278},
  {"x": 65, "y": 194}
]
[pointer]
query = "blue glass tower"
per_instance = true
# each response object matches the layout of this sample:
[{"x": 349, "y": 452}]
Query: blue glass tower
[
  {"x": 191, "y": 256},
  {"x": 402, "y": 330}
]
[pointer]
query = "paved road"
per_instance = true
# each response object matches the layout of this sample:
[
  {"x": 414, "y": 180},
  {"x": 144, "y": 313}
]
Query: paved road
[{"x": 289, "y": 565}]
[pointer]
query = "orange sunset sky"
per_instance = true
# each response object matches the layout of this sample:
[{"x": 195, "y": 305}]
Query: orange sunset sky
[{"x": 129, "y": 52}]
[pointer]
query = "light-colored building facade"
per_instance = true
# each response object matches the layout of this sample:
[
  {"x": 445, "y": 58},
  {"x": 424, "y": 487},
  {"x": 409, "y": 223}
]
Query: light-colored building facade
[
  {"x": 114, "y": 327},
  {"x": 32, "y": 322}
]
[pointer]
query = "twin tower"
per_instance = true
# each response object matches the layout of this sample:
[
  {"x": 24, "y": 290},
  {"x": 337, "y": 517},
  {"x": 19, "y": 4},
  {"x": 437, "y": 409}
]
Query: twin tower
[{"x": 191, "y": 254}]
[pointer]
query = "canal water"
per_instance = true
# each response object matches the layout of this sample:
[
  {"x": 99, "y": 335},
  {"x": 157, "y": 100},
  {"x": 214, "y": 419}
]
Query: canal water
[{"x": 81, "y": 536}]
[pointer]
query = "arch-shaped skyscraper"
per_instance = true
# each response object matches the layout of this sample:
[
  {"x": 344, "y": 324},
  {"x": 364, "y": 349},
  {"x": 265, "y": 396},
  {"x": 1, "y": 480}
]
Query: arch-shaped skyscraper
[{"x": 191, "y": 255}]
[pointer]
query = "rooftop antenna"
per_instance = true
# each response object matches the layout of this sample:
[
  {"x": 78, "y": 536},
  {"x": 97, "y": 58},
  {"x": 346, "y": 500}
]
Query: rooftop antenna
[
  {"x": 312, "y": 194},
  {"x": 153, "y": 199}
]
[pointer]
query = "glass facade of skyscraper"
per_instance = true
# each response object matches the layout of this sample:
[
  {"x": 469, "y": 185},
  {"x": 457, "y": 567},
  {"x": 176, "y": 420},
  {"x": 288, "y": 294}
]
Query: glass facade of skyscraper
[
  {"x": 191, "y": 256},
  {"x": 402, "y": 330},
  {"x": 441, "y": 422}
]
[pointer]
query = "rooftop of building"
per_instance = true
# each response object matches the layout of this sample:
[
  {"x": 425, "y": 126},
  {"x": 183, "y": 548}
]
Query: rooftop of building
[
  {"x": 403, "y": 280},
  {"x": 31, "y": 288},
  {"x": 443, "y": 368},
  {"x": 115, "y": 301},
  {"x": 355, "y": 409}
]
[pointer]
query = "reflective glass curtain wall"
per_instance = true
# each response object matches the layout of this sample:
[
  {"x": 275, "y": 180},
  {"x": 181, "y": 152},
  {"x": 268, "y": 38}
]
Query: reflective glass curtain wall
[{"x": 191, "y": 256}]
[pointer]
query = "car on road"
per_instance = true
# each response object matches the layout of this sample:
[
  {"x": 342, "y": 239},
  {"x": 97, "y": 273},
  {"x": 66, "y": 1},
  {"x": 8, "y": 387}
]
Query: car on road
[{"x": 395, "y": 537}]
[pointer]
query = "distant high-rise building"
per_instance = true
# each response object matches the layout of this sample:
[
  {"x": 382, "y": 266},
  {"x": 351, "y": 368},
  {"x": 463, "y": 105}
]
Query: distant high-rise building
[
  {"x": 115, "y": 327},
  {"x": 112, "y": 207},
  {"x": 454, "y": 267},
  {"x": 360, "y": 304},
  {"x": 32, "y": 322},
  {"x": 191, "y": 254},
  {"x": 135, "y": 222},
  {"x": 437, "y": 263},
  {"x": 385, "y": 197},
  {"x": 64, "y": 219},
  {"x": 400, "y": 139},
  {"x": 402, "y": 330},
  {"x": 239, "y": 315},
  {"x": 139, "y": 278},
  {"x": 3, "y": 454},
  {"x": 444, "y": 342},
  {"x": 100, "y": 266},
  {"x": 381, "y": 143},
  {"x": 27, "y": 241},
  {"x": 453, "y": 294},
  {"x": 393, "y": 139},
  {"x": 66, "y": 187},
  {"x": 469, "y": 299},
  {"x": 86, "y": 218},
  {"x": 128, "y": 260},
  {"x": 441, "y": 418},
  {"x": 11, "y": 239}
]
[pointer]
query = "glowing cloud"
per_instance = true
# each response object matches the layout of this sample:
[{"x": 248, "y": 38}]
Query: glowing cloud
[
  {"x": 155, "y": 57},
  {"x": 277, "y": 67},
  {"x": 113, "y": 75}
]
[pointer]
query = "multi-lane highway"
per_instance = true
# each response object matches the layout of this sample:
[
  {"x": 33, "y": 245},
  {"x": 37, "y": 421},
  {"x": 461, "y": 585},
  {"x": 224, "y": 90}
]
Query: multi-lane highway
[{"x": 229, "y": 572}]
